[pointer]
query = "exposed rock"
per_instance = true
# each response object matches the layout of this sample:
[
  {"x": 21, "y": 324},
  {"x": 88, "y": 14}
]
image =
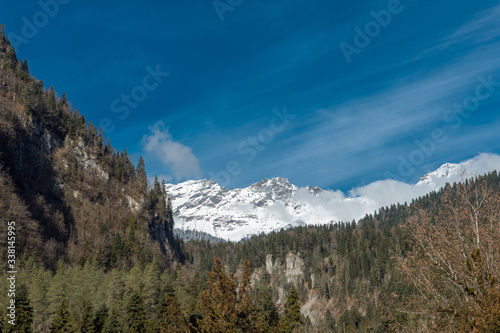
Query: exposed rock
[
  {"x": 87, "y": 159},
  {"x": 256, "y": 276},
  {"x": 160, "y": 233},
  {"x": 133, "y": 204},
  {"x": 281, "y": 297},
  {"x": 308, "y": 309},
  {"x": 294, "y": 271},
  {"x": 269, "y": 263},
  {"x": 48, "y": 142},
  {"x": 58, "y": 187}
]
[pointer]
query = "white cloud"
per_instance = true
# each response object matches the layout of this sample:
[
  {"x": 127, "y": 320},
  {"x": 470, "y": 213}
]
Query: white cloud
[
  {"x": 376, "y": 126},
  {"x": 174, "y": 155},
  {"x": 237, "y": 207},
  {"x": 386, "y": 192}
]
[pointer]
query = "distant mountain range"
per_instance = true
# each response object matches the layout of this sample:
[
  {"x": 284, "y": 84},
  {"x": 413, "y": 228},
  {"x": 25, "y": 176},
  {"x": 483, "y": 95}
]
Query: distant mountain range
[{"x": 272, "y": 204}]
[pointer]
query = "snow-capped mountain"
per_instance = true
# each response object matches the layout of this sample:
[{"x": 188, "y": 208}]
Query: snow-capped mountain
[{"x": 272, "y": 204}]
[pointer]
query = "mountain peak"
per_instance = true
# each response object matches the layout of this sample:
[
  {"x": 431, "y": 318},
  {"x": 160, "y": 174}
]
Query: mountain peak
[
  {"x": 454, "y": 173},
  {"x": 274, "y": 181},
  {"x": 275, "y": 203}
]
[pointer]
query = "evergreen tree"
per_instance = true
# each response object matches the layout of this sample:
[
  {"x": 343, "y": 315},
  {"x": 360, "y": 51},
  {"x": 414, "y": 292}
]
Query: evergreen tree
[
  {"x": 218, "y": 303},
  {"x": 39, "y": 280},
  {"x": 157, "y": 202},
  {"x": 156, "y": 188},
  {"x": 63, "y": 101},
  {"x": 292, "y": 317},
  {"x": 170, "y": 216},
  {"x": 24, "y": 310},
  {"x": 141, "y": 175},
  {"x": 58, "y": 287},
  {"x": 246, "y": 309},
  {"x": 151, "y": 290},
  {"x": 193, "y": 290},
  {"x": 266, "y": 312},
  {"x": 100, "y": 317},
  {"x": 113, "y": 322},
  {"x": 51, "y": 103},
  {"x": 172, "y": 320},
  {"x": 86, "y": 324},
  {"x": 135, "y": 314},
  {"x": 2, "y": 314},
  {"x": 162, "y": 305},
  {"x": 61, "y": 322}
]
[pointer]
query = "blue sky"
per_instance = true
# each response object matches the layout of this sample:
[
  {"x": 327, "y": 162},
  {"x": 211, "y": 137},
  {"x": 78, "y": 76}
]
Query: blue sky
[{"x": 268, "y": 91}]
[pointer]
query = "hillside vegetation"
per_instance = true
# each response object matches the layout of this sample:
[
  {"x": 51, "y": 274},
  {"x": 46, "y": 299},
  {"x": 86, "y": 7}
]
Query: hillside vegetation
[{"x": 72, "y": 196}]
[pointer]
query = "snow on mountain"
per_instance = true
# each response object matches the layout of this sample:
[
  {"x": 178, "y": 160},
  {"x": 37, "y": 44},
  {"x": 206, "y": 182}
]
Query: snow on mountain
[{"x": 272, "y": 204}]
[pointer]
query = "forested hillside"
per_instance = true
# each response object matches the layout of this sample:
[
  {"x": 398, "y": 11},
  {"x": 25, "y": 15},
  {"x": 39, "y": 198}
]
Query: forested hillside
[
  {"x": 72, "y": 196},
  {"x": 369, "y": 275},
  {"x": 96, "y": 250}
]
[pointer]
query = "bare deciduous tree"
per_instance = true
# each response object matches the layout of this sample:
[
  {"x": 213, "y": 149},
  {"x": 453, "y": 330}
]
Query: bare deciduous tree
[{"x": 455, "y": 263}]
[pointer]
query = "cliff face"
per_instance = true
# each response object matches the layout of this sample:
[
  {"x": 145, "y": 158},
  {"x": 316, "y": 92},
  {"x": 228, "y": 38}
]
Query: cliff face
[
  {"x": 72, "y": 195},
  {"x": 293, "y": 272}
]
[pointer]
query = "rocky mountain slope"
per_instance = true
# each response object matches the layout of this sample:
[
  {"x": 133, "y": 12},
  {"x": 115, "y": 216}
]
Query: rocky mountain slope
[
  {"x": 71, "y": 195},
  {"x": 272, "y": 204}
]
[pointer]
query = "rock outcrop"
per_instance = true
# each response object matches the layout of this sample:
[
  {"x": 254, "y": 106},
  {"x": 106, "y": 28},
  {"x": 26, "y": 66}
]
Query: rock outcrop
[{"x": 294, "y": 270}]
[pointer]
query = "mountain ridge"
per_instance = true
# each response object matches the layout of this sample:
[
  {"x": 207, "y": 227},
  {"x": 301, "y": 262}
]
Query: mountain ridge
[{"x": 275, "y": 203}]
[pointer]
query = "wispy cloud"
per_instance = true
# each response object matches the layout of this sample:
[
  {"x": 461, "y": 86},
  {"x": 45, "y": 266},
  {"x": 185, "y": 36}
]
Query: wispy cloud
[
  {"x": 388, "y": 121},
  {"x": 483, "y": 27},
  {"x": 386, "y": 192},
  {"x": 173, "y": 155},
  {"x": 363, "y": 130}
]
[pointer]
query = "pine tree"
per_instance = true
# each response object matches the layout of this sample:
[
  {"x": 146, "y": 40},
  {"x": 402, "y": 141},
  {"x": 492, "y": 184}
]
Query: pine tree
[
  {"x": 151, "y": 290},
  {"x": 113, "y": 322},
  {"x": 100, "y": 317},
  {"x": 156, "y": 188},
  {"x": 39, "y": 282},
  {"x": 157, "y": 204},
  {"x": 292, "y": 318},
  {"x": 63, "y": 101},
  {"x": 246, "y": 309},
  {"x": 193, "y": 290},
  {"x": 141, "y": 175},
  {"x": 171, "y": 319},
  {"x": 86, "y": 325},
  {"x": 61, "y": 322},
  {"x": 24, "y": 310},
  {"x": 2, "y": 315},
  {"x": 135, "y": 314},
  {"x": 170, "y": 216},
  {"x": 51, "y": 103},
  {"x": 218, "y": 303},
  {"x": 58, "y": 287},
  {"x": 267, "y": 316}
]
